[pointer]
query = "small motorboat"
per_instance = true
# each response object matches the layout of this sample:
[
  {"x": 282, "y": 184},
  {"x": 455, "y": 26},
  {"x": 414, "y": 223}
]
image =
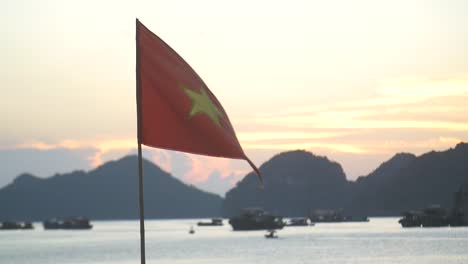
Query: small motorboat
[
  {"x": 271, "y": 234},
  {"x": 191, "y": 230}
]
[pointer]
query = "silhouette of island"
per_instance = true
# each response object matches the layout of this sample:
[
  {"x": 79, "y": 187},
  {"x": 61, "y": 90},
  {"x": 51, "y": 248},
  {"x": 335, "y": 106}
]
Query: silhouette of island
[
  {"x": 108, "y": 192},
  {"x": 407, "y": 183},
  {"x": 299, "y": 182},
  {"x": 296, "y": 183}
]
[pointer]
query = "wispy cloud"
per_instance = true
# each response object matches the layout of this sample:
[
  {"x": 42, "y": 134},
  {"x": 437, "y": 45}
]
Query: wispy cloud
[
  {"x": 399, "y": 106},
  {"x": 102, "y": 146},
  {"x": 310, "y": 145},
  {"x": 67, "y": 144},
  {"x": 188, "y": 167},
  {"x": 422, "y": 88},
  {"x": 202, "y": 167},
  {"x": 262, "y": 135}
]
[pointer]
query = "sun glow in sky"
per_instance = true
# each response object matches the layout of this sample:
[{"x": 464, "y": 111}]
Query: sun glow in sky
[{"x": 356, "y": 81}]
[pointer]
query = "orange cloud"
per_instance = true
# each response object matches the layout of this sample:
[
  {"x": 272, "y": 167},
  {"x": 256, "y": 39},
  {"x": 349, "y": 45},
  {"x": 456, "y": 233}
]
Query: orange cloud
[
  {"x": 105, "y": 146},
  {"x": 35, "y": 145},
  {"x": 261, "y": 135},
  {"x": 162, "y": 159},
  {"x": 203, "y": 167},
  {"x": 421, "y": 88},
  {"x": 334, "y": 147},
  {"x": 397, "y": 103},
  {"x": 68, "y": 144},
  {"x": 355, "y": 119}
]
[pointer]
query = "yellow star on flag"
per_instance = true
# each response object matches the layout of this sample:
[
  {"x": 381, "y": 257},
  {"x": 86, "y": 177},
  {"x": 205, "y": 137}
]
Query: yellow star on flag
[{"x": 202, "y": 104}]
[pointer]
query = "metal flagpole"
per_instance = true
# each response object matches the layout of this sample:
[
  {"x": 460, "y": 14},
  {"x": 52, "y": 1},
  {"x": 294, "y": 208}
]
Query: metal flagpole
[{"x": 140, "y": 163}]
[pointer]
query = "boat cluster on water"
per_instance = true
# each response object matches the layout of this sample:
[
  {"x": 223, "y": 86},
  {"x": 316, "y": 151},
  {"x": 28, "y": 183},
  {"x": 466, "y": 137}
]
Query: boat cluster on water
[
  {"x": 54, "y": 223},
  {"x": 334, "y": 216},
  {"x": 436, "y": 216},
  {"x": 258, "y": 219}
]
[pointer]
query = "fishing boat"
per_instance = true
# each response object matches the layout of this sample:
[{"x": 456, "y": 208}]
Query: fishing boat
[
  {"x": 298, "y": 222},
  {"x": 214, "y": 222},
  {"x": 68, "y": 223},
  {"x": 256, "y": 219},
  {"x": 11, "y": 225}
]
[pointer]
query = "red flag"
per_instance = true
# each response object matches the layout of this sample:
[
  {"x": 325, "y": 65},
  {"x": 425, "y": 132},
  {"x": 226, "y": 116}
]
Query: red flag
[{"x": 177, "y": 111}]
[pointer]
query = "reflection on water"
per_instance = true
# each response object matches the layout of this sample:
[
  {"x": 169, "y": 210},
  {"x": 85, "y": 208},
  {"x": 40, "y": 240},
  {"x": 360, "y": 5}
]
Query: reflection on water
[{"x": 381, "y": 240}]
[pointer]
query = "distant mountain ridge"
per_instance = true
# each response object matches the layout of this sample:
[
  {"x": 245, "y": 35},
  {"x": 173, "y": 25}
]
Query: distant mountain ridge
[
  {"x": 431, "y": 178},
  {"x": 366, "y": 194},
  {"x": 298, "y": 182},
  {"x": 108, "y": 192},
  {"x": 295, "y": 183}
]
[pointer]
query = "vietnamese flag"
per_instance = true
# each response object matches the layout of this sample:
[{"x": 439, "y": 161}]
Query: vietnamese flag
[{"x": 176, "y": 110}]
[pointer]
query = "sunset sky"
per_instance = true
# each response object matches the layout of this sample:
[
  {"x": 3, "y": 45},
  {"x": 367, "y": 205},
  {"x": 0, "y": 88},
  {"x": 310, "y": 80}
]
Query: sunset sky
[{"x": 356, "y": 81}]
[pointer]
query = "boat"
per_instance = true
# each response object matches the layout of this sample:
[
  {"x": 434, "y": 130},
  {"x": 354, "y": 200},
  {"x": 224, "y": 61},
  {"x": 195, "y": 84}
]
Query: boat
[
  {"x": 433, "y": 216},
  {"x": 27, "y": 225},
  {"x": 356, "y": 219},
  {"x": 459, "y": 215},
  {"x": 214, "y": 222},
  {"x": 334, "y": 216},
  {"x": 271, "y": 234},
  {"x": 411, "y": 219},
  {"x": 298, "y": 222},
  {"x": 12, "y": 225},
  {"x": 68, "y": 223},
  {"x": 256, "y": 219}
]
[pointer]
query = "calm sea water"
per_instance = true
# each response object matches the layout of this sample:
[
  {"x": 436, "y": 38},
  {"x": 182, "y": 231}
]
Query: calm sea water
[{"x": 381, "y": 240}]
